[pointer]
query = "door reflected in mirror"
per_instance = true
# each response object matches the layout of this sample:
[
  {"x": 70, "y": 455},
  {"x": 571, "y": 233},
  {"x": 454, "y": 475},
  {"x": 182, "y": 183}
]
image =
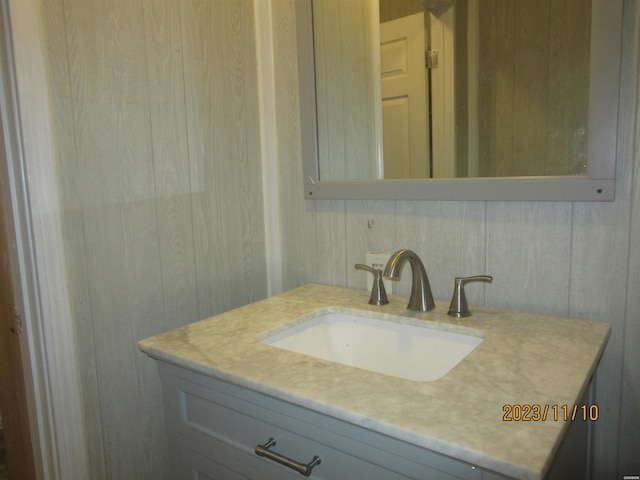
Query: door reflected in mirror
[{"x": 440, "y": 89}]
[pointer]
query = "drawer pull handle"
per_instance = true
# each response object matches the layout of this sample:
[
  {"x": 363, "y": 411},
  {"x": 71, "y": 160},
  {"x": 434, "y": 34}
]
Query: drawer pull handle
[{"x": 301, "y": 468}]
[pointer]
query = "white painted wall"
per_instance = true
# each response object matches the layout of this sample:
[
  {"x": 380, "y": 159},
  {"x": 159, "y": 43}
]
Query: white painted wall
[{"x": 576, "y": 259}]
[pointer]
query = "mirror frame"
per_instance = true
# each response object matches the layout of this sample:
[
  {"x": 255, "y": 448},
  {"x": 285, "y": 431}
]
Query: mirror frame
[{"x": 597, "y": 185}]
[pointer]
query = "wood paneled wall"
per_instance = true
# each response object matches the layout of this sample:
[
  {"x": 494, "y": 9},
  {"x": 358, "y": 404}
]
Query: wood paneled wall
[
  {"x": 576, "y": 259},
  {"x": 392, "y": 9},
  {"x": 156, "y": 115},
  {"x": 158, "y": 163},
  {"x": 533, "y": 79},
  {"x": 345, "y": 93}
]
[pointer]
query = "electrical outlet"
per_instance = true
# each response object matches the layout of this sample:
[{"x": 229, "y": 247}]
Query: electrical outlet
[{"x": 378, "y": 260}]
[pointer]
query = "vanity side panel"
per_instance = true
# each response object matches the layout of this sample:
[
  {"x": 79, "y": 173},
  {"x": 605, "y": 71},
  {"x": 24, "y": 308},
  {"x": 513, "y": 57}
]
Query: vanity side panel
[
  {"x": 572, "y": 459},
  {"x": 172, "y": 420}
]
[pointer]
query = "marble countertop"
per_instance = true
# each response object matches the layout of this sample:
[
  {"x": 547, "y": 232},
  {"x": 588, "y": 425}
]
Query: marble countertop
[{"x": 524, "y": 359}]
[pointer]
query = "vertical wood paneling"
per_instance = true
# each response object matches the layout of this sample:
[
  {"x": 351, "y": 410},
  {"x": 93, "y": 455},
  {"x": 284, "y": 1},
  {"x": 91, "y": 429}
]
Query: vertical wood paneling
[
  {"x": 222, "y": 121},
  {"x": 331, "y": 242},
  {"x": 529, "y": 255},
  {"x": 598, "y": 290},
  {"x": 360, "y": 154},
  {"x": 392, "y": 9},
  {"x": 487, "y": 94},
  {"x": 345, "y": 105},
  {"x": 531, "y": 68},
  {"x": 534, "y": 66},
  {"x": 156, "y": 115},
  {"x": 566, "y": 134},
  {"x": 106, "y": 179},
  {"x": 60, "y": 23},
  {"x": 449, "y": 238},
  {"x": 370, "y": 227},
  {"x": 167, "y": 117},
  {"x": 120, "y": 228},
  {"x": 630, "y": 405},
  {"x": 327, "y": 40},
  {"x": 197, "y": 73}
]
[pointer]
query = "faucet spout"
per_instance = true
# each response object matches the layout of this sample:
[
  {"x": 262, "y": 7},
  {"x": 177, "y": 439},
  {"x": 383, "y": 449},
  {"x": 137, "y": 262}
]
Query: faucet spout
[{"x": 421, "y": 298}]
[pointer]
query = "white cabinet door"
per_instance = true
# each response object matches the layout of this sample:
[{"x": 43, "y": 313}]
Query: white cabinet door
[{"x": 404, "y": 98}]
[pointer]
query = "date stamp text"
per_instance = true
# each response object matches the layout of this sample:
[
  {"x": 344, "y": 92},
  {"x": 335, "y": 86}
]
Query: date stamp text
[{"x": 541, "y": 413}]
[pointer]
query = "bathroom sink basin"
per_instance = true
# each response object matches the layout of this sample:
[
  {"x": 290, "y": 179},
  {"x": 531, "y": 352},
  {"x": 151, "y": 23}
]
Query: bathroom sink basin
[{"x": 392, "y": 345}]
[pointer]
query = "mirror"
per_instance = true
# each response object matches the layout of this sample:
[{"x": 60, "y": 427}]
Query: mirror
[{"x": 347, "y": 113}]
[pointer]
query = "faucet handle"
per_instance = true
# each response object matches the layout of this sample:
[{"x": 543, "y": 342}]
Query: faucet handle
[
  {"x": 378, "y": 292},
  {"x": 459, "y": 307}
]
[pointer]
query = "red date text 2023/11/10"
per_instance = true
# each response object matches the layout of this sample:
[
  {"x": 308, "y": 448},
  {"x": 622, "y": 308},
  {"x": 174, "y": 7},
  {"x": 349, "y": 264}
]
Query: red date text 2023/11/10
[{"x": 540, "y": 413}]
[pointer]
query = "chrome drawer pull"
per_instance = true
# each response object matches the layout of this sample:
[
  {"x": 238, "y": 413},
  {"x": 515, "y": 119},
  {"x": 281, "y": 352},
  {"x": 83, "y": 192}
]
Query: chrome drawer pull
[{"x": 301, "y": 468}]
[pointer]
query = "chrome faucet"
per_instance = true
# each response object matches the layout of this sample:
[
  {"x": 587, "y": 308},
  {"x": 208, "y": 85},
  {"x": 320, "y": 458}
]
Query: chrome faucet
[{"x": 421, "y": 297}]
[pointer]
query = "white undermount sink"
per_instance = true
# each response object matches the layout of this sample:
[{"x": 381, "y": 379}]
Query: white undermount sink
[{"x": 393, "y": 345}]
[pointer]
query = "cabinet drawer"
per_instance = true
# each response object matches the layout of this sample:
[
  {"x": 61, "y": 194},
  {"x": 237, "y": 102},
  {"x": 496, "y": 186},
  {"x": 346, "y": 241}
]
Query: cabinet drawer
[
  {"x": 211, "y": 422},
  {"x": 201, "y": 465},
  {"x": 217, "y": 460},
  {"x": 223, "y": 423}
]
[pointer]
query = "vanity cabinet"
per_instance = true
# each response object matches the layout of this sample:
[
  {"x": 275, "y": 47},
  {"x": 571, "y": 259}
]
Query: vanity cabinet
[
  {"x": 226, "y": 393},
  {"x": 215, "y": 426}
]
